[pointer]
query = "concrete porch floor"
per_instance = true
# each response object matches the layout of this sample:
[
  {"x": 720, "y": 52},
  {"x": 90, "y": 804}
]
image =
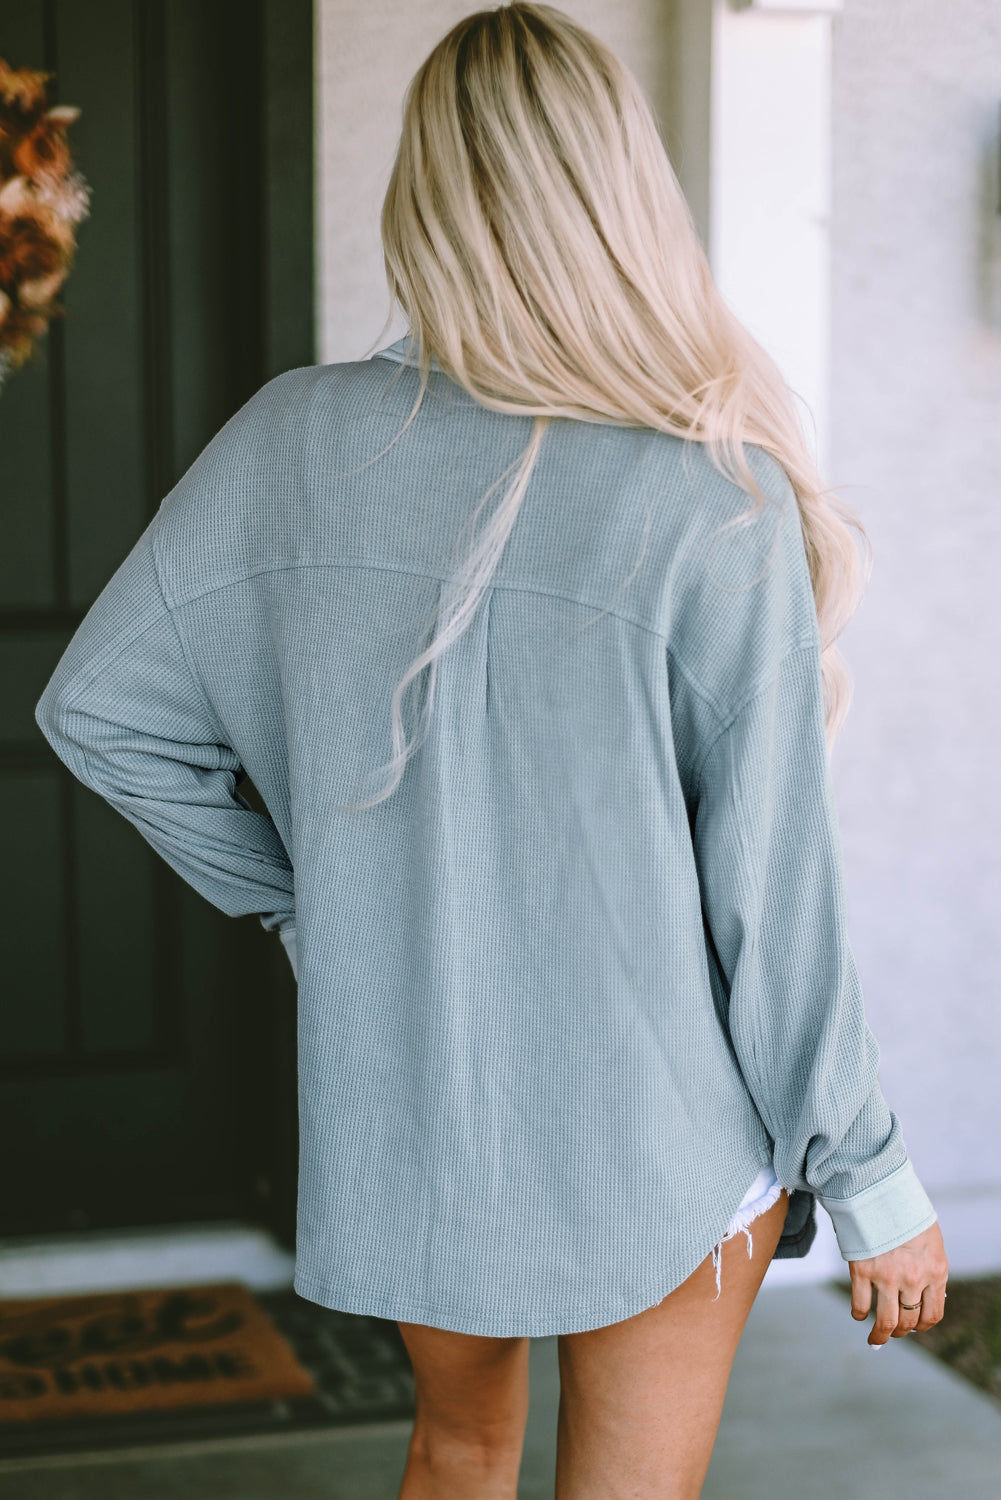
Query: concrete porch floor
[{"x": 811, "y": 1413}]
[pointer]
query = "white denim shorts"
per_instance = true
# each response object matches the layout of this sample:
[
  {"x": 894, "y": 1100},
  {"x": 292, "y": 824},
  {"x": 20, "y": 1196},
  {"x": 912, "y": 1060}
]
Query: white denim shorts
[{"x": 762, "y": 1193}]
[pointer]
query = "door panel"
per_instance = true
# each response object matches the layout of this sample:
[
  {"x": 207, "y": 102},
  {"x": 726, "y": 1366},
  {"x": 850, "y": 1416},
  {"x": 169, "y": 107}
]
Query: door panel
[{"x": 146, "y": 1040}]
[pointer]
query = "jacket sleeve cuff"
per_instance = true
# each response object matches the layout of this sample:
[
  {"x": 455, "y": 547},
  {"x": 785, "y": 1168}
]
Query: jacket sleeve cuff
[
  {"x": 882, "y": 1216},
  {"x": 287, "y": 935}
]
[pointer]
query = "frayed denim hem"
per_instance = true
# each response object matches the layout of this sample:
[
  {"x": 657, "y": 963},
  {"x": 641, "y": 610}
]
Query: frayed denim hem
[{"x": 739, "y": 1224}]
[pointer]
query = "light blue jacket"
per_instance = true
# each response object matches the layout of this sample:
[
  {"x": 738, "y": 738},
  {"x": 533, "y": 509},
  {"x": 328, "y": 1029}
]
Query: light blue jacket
[{"x": 587, "y": 970}]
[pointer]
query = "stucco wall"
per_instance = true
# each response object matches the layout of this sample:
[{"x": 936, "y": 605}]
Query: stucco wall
[{"x": 916, "y": 448}]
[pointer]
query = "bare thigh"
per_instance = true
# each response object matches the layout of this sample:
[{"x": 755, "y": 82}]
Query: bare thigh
[
  {"x": 471, "y": 1410},
  {"x": 641, "y": 1400}
]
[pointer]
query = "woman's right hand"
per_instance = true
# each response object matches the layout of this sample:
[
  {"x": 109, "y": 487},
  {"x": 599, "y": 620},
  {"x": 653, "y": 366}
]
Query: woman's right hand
[{"x": 915, "y": 1271}]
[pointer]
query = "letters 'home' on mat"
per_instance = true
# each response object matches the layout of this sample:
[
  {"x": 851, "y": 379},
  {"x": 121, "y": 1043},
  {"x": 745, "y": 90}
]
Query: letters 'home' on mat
[{"x": 138, "y": 1351}]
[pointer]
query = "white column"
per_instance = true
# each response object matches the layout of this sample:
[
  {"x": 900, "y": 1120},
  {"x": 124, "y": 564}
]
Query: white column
[{"x": 769, "y": 186}]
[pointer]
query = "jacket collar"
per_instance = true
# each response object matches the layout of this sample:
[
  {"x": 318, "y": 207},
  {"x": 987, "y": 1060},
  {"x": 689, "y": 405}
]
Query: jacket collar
[{"x": 398, "y": 351}]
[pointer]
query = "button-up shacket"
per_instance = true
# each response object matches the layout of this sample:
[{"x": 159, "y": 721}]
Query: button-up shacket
[{"x": 586, "y": 971}]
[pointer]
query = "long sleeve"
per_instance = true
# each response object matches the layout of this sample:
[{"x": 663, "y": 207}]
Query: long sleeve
[
  {"x": 125, "y": 713},
  {"x": 768, "y": 855}
]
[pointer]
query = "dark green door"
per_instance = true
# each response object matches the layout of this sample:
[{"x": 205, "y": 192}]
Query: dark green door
[{"x": 147, "y": 1039}]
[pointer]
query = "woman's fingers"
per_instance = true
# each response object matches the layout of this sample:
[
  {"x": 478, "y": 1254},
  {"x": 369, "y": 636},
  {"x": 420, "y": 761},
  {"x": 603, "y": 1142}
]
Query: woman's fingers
[
  {"x": 908, "y": 1317},
  {"x": 932, "y": 1308},
  {"x": 915, "y": 1273},
  {"x": 888, "y": 1314},
  {"x": 891, "y": 1319},
  {"x": 862, "y": 1290}
]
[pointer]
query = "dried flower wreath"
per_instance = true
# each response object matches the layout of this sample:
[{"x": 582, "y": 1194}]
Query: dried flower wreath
[{"x": 42, "y": 199}]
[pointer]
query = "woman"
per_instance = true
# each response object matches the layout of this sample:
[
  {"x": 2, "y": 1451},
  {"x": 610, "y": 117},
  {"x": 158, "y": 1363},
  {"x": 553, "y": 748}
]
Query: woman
[{"x": 576, "y": 1000}]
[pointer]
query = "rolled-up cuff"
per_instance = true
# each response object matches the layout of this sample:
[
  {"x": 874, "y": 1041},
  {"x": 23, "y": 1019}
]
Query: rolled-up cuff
[
  {"x": 882, "y": 1216},
  {"x": 287, "y": 935}
]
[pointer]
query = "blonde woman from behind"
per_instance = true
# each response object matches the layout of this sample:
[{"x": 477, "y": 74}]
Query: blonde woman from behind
[{"x": 539, "y": 243}]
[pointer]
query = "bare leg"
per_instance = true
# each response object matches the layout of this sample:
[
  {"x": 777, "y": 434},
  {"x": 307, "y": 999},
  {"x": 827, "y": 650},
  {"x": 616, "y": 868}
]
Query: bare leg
[
  {"x": 641, "y": 1400},
  {"x": 472, "y": 1406}
]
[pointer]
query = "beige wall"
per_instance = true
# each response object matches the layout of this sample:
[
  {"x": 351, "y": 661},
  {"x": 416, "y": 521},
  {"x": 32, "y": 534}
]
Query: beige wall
[{"x": 916, "y": 435}]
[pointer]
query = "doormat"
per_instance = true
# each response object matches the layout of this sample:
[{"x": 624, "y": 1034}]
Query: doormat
[
  {"x": 179, "y": 1364},
  {"x": 115, "y": 1352}
]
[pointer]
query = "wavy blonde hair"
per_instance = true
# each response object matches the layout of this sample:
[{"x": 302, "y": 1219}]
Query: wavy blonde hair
[{"x": 538, "y": 240}]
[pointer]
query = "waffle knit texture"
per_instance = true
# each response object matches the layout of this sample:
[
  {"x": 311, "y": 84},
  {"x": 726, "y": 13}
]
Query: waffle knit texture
[{"x": 586, "y": 972}]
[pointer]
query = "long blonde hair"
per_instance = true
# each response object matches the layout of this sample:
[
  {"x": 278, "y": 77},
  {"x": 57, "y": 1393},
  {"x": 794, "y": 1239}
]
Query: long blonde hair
[{"x": 538, "y": 240}]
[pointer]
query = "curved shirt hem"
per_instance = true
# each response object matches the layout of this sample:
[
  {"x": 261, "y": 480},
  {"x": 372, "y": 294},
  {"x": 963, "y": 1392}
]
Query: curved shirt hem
[
  {"x": 460, "y": 1322},
  {"x": 513, "y": 1327},
  {"x": 453, "y": 1319}
]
